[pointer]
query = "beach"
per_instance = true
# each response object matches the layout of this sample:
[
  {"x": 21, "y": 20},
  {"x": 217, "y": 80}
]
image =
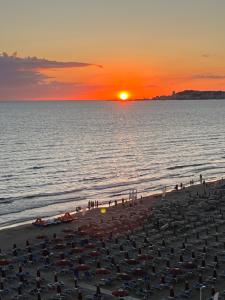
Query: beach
[{"x": 152, "y": 248}]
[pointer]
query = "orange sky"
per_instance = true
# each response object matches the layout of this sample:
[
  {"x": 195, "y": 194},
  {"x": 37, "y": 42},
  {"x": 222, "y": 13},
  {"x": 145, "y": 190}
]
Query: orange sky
[{"x": 146, "y": 47}]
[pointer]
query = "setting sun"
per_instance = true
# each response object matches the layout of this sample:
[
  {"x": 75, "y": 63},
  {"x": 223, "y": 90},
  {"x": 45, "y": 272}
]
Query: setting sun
[{"x": 123, "y": 95}]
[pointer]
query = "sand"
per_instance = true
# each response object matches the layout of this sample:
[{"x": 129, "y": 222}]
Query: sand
[{"x": 133, "y": 239}]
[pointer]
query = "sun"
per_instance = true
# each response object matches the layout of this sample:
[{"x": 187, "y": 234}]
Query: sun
[{"x": 123, "y": 95}]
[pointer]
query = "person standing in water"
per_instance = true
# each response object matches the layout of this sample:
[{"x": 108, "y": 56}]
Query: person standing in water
[{"x": 200, "y": 178}]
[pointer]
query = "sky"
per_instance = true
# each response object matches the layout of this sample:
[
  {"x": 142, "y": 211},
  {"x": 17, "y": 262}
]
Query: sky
[{"x": 92, "y": 49}]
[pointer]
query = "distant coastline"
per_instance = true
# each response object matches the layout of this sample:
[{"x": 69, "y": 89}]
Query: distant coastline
[{"x": 193, "y": 95}]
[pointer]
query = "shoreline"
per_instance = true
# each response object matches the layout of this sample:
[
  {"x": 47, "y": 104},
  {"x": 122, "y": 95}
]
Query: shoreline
[
  {"x": 85, "y": 215},
  {"x": 103, "y": 203}
]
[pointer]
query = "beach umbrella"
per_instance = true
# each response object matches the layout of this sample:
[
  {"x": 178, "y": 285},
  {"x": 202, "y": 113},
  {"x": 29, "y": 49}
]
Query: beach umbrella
[
  {"x": 38, "y": 273},
  {"x": 200, "y": 280},
  {"x": 145, "y": 257},
  {"x": 103, "y": 271},
  {"x": 153, "y": 269},
  {"x": 69, "y": 236},
  {"x": 176, "y": 271},
  {"x": 41, "y": 237},
  {"x": 82, "y": 267},
  {"x": 5, "y": 262},
  {"x": 189, "y": 265},
  {"x": 95, "y": 253},
  {"x": 38, "y": 284},
  {"x": 63, "y": 262},
  {"x": 98, "y": 290},
  {"x": 118, "y": 268},
  {"x": 124, "y": 276},
  {"x": 75, "y": 282},
  {"x": 98, "y": 265},
  {"x": 60, "y": 246},
  {"x": 139, "y": 272},
  {"x": 59, "y": 290},
  {"x": 20, "y": 269},
  {"x": 172, "y": 294},
  {"x": 131, "y": 261},
  {"x": 3, "y": 273},
  {"x": 186, "y": 287},
  {"x": 80, "y": 296},
  {"x": 162, "y": 279},
  {"x": 1, "y": 286},
  {"x": 45, "y": 252},
  {"x": 120, "y": 293},
  {"x": 203, "y": 263},
  {"x": 90, "y": 246},
  {"x": 77, "y": 250}
]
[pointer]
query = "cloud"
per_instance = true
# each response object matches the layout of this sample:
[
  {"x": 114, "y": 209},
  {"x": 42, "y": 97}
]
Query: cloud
[
  {"x": 205, "y": 55},
  {"x": 208, "y": 76},
  {"x": 22, "y": 76}
]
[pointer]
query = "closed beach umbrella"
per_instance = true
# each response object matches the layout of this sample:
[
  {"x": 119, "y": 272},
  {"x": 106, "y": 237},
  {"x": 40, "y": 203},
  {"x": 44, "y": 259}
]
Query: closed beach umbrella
[
  {"x": 172, "y": 294},
  {"x": 186, "y": 286}
]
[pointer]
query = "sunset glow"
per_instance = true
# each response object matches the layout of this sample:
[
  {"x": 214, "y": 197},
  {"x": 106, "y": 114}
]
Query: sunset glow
[
  {"x": 96, "y": 58},
  {"x": 124, "y": 95}
]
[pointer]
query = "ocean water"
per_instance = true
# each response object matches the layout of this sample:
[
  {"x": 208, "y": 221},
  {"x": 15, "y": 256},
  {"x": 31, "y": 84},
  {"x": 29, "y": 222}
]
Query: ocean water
[{"x": 55, "y": 156}]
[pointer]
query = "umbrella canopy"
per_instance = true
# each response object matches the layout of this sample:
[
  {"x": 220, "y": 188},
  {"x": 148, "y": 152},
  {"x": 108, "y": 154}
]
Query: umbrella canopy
[
  {"x": 189, "y": 265},
  {"x": 95, "y": 253},
  {"x": 77, "y": 250},
  {"x": 139, "y": 272},
  {"x": 63, "y": 262},
  {"x": 82, "y": 267},
  {"x": 176, "y": 271},
  {"x": 90, "y": 246},
  {"x": 124, "y": 276},
  {"x": 131, "y": 261},
  {"x": 120, "y": 293},
  {"x": 5, "y": 262},
  {"x": 145, "y": 257},
  {"x": 103, "y": 271}
]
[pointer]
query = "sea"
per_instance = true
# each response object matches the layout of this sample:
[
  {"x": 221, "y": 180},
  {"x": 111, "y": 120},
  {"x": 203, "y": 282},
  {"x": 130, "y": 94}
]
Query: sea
[{"x": 55, "y": 156}]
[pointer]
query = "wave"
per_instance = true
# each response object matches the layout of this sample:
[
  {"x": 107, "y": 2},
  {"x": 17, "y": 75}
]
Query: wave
[
  {"x": 42, "y": 205},
  {"x": 39, "y": 195},
  {"x": 36, "y": 168},
  {"x": 184, "y": 166}
]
